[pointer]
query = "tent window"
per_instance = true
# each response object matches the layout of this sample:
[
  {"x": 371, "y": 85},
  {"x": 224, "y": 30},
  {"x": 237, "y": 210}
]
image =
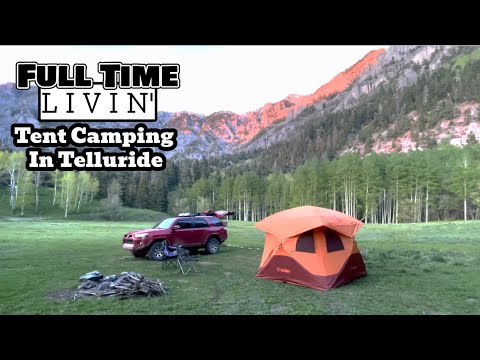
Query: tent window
[
  {"x": 334, "y": 243},
  {"x": 305, "y": 242}
]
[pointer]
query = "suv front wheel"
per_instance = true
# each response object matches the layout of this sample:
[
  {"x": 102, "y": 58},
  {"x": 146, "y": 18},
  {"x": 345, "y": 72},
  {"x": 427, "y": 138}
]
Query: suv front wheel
[
  {"x": 156, "y": 252},
  {"x": 213, "y": 246}
]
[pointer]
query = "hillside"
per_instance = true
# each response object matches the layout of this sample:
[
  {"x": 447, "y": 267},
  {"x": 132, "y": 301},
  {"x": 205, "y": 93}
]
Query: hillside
[{"x": 414, "y": 97}]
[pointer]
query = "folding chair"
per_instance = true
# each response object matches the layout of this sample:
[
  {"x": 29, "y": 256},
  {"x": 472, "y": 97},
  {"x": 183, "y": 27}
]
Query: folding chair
[
  {"x": 169, "y": 255},
  {"x": 185, "y": 261},
  {"x": 178, "y": 257}
]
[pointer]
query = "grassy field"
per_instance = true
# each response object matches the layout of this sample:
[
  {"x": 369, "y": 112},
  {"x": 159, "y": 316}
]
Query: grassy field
[{"x": 412, "y": 269}]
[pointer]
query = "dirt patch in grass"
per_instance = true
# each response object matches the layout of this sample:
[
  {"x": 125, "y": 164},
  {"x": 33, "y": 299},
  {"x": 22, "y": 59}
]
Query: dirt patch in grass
[
  {"x": 207, "y": 263},
  {"x": 217, "y": 294},
  {"x": 66, "y": 294},
  {"x": 278, "y": 309}
]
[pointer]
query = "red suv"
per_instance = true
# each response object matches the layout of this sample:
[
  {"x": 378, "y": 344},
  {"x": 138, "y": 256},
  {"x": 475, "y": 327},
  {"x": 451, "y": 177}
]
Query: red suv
[{"x": 192, "y": 232}]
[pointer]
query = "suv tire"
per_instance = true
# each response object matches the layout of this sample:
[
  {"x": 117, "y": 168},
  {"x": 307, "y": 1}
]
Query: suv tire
[
  {"x": 156, "y": 252},
  {"x": 213, "y": 246}
]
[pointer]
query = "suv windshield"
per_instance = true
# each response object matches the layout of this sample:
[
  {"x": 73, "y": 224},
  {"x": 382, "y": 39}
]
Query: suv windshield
[{"x": 165, "y": 224}]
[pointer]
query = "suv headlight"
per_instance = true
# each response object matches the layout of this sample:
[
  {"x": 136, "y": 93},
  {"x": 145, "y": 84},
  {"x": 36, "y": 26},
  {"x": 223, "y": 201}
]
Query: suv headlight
[{"x": 141, "y": 236}]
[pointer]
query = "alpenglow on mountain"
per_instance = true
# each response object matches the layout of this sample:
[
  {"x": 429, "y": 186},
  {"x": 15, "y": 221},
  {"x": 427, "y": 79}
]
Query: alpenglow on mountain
[{"x": 405, "y": 98}]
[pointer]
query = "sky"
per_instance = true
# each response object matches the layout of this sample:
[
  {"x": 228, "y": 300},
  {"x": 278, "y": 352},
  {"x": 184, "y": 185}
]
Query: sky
[{"x": 213, "y": 78}]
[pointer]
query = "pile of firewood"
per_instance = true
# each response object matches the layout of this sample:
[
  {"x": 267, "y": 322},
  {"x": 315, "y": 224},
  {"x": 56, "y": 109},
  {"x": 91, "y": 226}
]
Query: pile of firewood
[{"x": 125, "y": 285}]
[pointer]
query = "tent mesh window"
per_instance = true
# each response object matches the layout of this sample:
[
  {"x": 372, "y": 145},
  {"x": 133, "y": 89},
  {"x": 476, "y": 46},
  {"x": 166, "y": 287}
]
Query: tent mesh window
[
  {"x": 334, "y": 243},
  {"x": 305, "y": 242}
]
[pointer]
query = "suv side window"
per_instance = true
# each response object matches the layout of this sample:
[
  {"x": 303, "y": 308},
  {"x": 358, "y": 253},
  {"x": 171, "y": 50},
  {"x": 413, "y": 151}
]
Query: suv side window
[
  {"x": 200, "y": 223},
  {"x": 184, "y": 223},
  {"x": 216, "y": 222}
]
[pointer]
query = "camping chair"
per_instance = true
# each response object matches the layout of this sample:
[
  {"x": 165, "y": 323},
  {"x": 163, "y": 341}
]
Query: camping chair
[
  {"x": 185, "y": 261},
  {"x": 178, "y": 257},
  {"x": 169, "y": 255}
]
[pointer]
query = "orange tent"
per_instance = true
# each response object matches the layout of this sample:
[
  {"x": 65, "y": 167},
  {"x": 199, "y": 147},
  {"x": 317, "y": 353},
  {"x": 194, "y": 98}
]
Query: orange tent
[{"x": 311, "y": 246}]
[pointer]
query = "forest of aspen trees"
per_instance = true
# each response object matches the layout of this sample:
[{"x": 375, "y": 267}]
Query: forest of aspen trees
[
  {"x": 419, "y": 186},
  {"x": 69, "y": 189}
]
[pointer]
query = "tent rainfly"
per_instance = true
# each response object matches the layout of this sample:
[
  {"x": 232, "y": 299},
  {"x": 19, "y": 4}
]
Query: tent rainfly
[{"x": 311, "y": 246}]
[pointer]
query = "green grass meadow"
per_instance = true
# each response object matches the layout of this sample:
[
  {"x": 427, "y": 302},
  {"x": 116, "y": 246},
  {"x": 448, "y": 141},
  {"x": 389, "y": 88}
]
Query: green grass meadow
[{"x": 412, "y": 269}]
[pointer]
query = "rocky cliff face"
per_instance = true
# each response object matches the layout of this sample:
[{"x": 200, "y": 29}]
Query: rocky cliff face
[
  {"x": 16, "y": 107},
  {"x": 458, "y": 131},
  {"x": 222, "y": 132},
  {"x": 399, "y": 65},
  {"x": 239, "y": 129}
]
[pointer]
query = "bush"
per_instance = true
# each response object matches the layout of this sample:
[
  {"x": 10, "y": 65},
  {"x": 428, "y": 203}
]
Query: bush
[{"x": 111, "y": 206}]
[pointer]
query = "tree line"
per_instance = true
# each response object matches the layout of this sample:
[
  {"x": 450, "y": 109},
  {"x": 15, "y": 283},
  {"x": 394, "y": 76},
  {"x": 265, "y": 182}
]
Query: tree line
[
  {"x": 71, "y": 189},
  {"x": 418, "y": 186}
]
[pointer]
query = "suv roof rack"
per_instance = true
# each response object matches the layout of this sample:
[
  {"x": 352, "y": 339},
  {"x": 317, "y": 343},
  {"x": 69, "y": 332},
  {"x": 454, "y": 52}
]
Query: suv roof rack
[
  {"x": 191, "y": 214},
  {"x": 218, "y": 214}
]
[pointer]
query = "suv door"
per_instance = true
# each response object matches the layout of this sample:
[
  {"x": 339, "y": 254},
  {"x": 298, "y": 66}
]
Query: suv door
[
  {"x": 201, "y": 231},
  {"x": 183, "y": 235},
  {"x": 219, "y": 227}
]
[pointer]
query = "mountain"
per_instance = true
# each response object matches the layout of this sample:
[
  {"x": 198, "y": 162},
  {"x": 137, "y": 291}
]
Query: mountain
[
  {"x": 412, "y": 97},
  {"x": 16, "y": 107},
  {"x": 200, "y": 134},
  {"x": 222, "y": 131},
  {"x": 405, "y": 98}
]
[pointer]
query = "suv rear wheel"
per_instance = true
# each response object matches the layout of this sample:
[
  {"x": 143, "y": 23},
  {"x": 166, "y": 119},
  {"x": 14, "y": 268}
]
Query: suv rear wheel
[
  {"x": 156, "y": 252},
  {"x": 213, "y": 246}
]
